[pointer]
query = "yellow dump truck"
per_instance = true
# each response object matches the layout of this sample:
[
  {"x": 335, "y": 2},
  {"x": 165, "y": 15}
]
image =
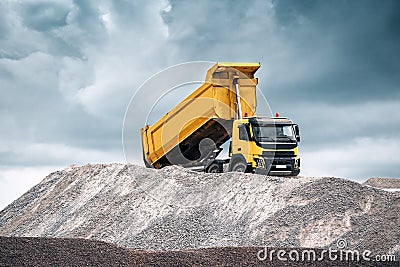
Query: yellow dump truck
[{"x": 221, "y": 109}]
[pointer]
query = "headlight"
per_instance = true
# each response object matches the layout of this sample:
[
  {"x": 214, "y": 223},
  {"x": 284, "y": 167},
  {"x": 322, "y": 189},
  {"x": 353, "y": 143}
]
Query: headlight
[
  {"x": 297, "y": 163},
  {"x": 260, "y": 162}
]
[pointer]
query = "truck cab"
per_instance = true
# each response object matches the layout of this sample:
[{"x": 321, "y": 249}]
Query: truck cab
[{"x": 265, "y": 145}]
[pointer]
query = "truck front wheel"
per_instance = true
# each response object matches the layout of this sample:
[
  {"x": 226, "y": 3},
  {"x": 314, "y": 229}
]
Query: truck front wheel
[
  {"x": 295, "y": 172},
  {"x": 239, "y": 166}
]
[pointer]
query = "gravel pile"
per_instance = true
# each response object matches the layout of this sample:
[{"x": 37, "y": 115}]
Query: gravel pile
[
  {"x": 386, "y": 183},
  {"x": 20, "y": 251},
  {"x": 175, "y": 209}
]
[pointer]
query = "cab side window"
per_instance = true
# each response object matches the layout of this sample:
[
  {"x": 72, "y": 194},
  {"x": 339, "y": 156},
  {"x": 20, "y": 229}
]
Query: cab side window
[{"x": 243, "y": 132}]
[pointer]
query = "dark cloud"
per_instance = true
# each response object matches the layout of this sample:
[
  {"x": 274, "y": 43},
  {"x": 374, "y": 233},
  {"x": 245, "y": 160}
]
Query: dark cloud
[
  {"x": 66, "y": 84},
  {"x": 312, "y": 50},
  {"x": 218, "y": 30},
  {"x": 358, "y": 42},
  {"x": 44, "y": 16},
  {"x": 40, "y": 113}
]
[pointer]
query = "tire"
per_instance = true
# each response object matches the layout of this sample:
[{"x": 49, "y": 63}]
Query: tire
[
  {"x": 239, "y": 166},
  {"x": 214, "y": 168}
]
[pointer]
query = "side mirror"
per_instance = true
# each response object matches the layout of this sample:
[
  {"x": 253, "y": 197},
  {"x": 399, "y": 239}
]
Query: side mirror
[{"x": 297, "y": 132}]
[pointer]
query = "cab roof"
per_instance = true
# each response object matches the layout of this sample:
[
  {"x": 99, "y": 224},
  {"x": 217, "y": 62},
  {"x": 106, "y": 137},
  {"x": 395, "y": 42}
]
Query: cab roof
[{"x": 270, "y": 120}]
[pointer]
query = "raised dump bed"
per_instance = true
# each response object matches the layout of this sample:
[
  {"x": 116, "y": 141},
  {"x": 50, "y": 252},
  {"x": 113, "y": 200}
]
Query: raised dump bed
[{"x": 196, "y": 127}]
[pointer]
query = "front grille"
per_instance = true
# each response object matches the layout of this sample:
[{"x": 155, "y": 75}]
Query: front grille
[
  {"x": 273, "y": 145},
  {"x": 282, "y": 162},
  {"x": 284, "y": 154},
  {"x": 279, "y": 154}
]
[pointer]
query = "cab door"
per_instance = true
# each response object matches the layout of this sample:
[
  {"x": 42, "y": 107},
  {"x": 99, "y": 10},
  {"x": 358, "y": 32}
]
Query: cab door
[{"x": 241, "y": 140}]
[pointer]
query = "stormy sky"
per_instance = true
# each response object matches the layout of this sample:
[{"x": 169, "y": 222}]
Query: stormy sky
[{"x": 68, "y": 69}]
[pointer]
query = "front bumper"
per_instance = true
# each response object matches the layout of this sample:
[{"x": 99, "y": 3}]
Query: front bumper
[{"x": 277, "y": 166}]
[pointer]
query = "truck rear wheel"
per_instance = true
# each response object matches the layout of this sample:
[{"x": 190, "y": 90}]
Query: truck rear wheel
[
  {"x": 214, "y": 168},
  {"x": 239, "y": 166}
]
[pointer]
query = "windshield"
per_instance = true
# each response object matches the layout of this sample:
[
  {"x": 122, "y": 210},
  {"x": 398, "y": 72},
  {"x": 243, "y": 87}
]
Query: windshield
[{"x": 274, "y": 133}]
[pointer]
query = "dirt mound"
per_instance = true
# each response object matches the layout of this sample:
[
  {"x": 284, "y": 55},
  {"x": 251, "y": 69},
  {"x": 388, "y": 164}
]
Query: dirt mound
[
  {"x": 388, "y": 183},
  {"x": 20, "y": 251},
  {"x": 175, "y": 209}
]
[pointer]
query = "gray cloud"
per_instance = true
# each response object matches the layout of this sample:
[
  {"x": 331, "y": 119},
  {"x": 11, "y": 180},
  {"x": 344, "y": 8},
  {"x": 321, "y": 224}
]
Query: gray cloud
[
  {"x": 358, "y": 43},
  {"x": 44, "y": 16}
]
